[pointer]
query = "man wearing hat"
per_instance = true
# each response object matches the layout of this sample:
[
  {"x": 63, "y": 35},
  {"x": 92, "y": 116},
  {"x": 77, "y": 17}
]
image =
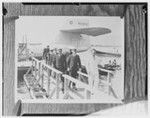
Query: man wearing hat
[
  {"x": 45, "y": 54},
  {"x": 60, "y": 61},
  {"x": 60, "y": 64},
  {"x": 74, "y": 64},
  {"x": 50, "y": 58}
]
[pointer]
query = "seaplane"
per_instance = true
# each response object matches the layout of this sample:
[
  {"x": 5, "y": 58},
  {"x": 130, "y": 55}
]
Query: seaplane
[{"x": 105, "y": 68}]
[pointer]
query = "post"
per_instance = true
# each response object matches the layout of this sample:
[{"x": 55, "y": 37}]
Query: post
[
  {"x": 48, "y": 81},
  {"x": 42, "y": 77},
  {"x": 39, "y": 70},
  {"x": 35, "y": 69},
  {"x": 79, "y": 76},
  {"x": 32, "y": 66},
  {"x": 58, "y": 78},
  {"x": 88, "y": 94},
  {"x": 65, "y": 87},
  {"x": 108, "y": 88}
]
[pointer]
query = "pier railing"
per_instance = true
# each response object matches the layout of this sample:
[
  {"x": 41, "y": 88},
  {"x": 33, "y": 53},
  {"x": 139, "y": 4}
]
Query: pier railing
[
  {"x": 85, "y": 88},
  {"x": 107, "y": 81},
  {"x": 83, "y": 77},
  {"x": 51, "y": 83}
]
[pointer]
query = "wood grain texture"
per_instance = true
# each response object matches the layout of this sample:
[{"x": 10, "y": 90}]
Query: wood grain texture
[
  {"x": 135, "y": 57},
  {"x": 9, "y": 66},
  {"x": 17, "y": 9},
  {"x": 135, "y": 53}
]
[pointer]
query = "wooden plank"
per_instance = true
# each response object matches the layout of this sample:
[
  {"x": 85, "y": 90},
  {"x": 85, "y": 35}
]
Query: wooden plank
[
  {"x": 108, "y": 71},
  {"x": 78, "y": 82},
  {"x": 10, "y": 18},
  {"x": 9, "y": 67},
  {"x": 48, "y": 83},
  {"x": 57, "y": 86},
  {"x": 135, "y": 42},
  {"x": 83, "y": 74},
  {"x": 42, "y": 78},
  {"x": 46, "y": 108},
  {"x": 66, "y": 84},
  {"x": 15, "y": 9},
  {"x": 53, "y": 69}
]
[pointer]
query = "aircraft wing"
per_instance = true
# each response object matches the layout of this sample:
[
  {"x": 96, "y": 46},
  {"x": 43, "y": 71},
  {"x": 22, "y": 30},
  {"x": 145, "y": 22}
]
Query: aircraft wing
[
  {"x": 92, "y": 31},
  {"x": 100, "y": 53}
]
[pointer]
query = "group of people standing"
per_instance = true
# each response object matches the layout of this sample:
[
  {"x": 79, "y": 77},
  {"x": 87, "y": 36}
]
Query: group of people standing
[{"x": 67, "y": 63}]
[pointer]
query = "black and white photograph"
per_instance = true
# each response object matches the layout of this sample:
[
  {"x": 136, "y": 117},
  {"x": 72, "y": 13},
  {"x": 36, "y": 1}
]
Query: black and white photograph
[
  {"x": 77, "y": 59},
  {"x": 74, "y": 58}
]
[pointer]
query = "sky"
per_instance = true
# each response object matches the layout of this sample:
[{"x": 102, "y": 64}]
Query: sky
[{"x": 44, "y": 29}]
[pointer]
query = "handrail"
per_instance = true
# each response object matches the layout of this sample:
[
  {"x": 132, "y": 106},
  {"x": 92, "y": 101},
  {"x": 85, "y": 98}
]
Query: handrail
[
  {"x": 28, "y": 70},
  {"x": 83, "y": 74},
  {"x": 51, "y": 68},
  {"x": 77, "y": 82},
  {"x": 33, "y": 58},
  {"x": 109, "y": 71},
  {"x": 41, "y": 64}
]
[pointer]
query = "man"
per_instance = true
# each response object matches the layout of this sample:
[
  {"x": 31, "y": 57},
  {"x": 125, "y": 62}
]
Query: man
[
  {"x": 92, "y": 70},
  {"x": 67, "y": 57},
  {"x": 68, "y": 54},
  {"x": 54, "y": 57},
  {"x": 50, "y": 58},
  {"x": 74, "y": 64},
  {"x": 60, "y": 61},
  {"x": 47, "y": 54},
  {"x": 54, "y": 61},
  {"x": 44, "y": 53},
  {"x": 60, "y": 64}
]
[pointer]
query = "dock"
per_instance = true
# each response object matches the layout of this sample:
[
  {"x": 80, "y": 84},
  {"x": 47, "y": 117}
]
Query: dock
[{"x": 45, "y": 82}]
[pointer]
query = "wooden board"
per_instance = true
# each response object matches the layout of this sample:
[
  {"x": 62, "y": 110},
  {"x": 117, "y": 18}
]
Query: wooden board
[
  {"x": 135, "y": 53},
  {"x": 9, "y": 66},
  {"x": 135, "y": 57}
]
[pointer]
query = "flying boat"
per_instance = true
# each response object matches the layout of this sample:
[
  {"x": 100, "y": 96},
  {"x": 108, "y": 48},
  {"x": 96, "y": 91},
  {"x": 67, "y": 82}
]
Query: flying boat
[{"x": 76, "y": 33}]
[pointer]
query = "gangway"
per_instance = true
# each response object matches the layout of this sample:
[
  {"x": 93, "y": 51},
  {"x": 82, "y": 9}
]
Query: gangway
[{"x": 44, "y": 81}]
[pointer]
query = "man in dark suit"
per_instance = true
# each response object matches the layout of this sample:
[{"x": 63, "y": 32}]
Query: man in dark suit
[
  {"x": 60, "y": 61},
  {"x": 50, "y": 58},
  {"x": 74, "y": 64},
  {"x": 47, "y": 54},
  {"x": 54, "y": 57},
  {"x": 67, "y": 56},
  {"x": 44, "y": 54},
  {"x": 60, "y": 64}
]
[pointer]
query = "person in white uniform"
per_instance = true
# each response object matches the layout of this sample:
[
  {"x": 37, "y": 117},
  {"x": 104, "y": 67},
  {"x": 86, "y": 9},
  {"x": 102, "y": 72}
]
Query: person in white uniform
[{"x": 92, "y": 69}]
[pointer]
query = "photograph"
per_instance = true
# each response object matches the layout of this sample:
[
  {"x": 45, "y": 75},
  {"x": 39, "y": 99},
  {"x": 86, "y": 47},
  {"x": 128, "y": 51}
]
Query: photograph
[
  {"x": 74, "y": 58},
  {"x": 77, "y": 59}
]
